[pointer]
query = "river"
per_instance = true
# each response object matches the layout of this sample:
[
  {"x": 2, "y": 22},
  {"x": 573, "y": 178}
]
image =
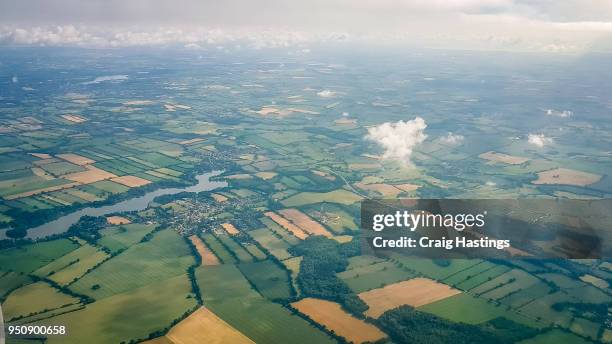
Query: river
[{"x": 62, "y": 224}]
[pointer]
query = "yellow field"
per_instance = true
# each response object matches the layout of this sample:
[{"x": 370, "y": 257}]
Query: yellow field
[
  {"x": 304, "y": 222},
  {"x": 83, "y": 195},
  {"x": 265, "y": 175},
  {"x": 131, "y": 181},
  {"x": 117, "y": 220},
  {"x": 203, "y": 326},
  {"x": 42, "y": 173},
  {"x": 138, "y": 102},
  {"x": 323, "y": 174},
  {"x": 345, "y": 121},
  {"x": 92, "y": 175},
  {"x": 415, "y": 292},
  {"x": 407, "y": 187},
  {"x": 230, "y": 229},
  {"x": 501, "y": 157},
  {"x": 208, "y": 258},
  {"x": 297, "y": 231},
  {"x": 74, "y": 118},
  {"x": 239, "y": 176},
  {"x": 363, "y": 166},
  {"x": 76, "y": 159},
  {"x": 41, "y": 155},
  {"x": 192, "y": 141},
  {"x": 567, "y": 176},
  {"x": 385, "y": 190},
  {"x": 219, "y": 198},
  {"x": 334, "y": 318}
]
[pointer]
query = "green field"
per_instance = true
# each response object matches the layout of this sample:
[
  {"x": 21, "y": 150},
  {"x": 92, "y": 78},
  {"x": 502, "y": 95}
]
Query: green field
[
  {"x": 438, "y": 270},
  {"x": 277, "y": 247},
  {"x": 129, "y": 315},
  {"x": 14, "y": 187},
  {"x": 373, "y": 276},
  {"x": 254, "y": 251},
  {"x": 511, "y": 281},
  {"x": 164, "y": 256},
  {"x": 243, "y": 255},
  {"x": 73, "y": 265},
  {"x": 110, "y": 187},
  {"x": 10, "y": 280},
  {"x": 31, "y": 257},
  {"x": 471, "y": 310},
  {"x": 270, "y": 280},
  {"x": 555, "y": 337},
  {"x": 62, "y": 167},
  {"x": 116, "y": 238},
  {"x": 34, "y": 298}
]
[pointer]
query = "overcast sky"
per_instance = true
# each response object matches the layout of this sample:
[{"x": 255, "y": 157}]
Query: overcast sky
[{"x": 546, "y": 25}]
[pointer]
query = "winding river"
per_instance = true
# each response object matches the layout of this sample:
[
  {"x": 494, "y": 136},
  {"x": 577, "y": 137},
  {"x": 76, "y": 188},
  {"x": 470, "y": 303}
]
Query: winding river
[{"x": 62, "y": 224}]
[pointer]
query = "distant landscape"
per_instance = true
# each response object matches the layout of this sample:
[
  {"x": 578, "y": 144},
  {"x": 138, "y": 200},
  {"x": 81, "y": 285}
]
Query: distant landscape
[{"x": 284, "y": 145}]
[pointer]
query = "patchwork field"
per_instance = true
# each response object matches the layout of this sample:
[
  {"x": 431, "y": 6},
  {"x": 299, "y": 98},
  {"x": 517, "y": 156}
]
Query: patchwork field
[
  {"x": 293, "y": 229},
  {"x": 304, "y": 222},
  {"x": 75, "y": 159},
  {"x": 219, "y": 250},
  {"x": 73, "y": 265},
  {"x": 165, "y": 255},
  {"x": 270, "y": 280},
  {"x": 229, "y": 295},
  {"x": 117, "y": 238},
  {"x": 128, "y": 315},
  {"x": 131, "y": 181},
  {"x": 337, "y": 196},
  {"x": 208, "y": 258},
  {"x": 333, "y": 317},
  {"x": 375, "y": 275},
  {"x": 567, "y": 176},
  {"x": 415, "y": 292},
  {"x": 276, "y": 247},
  {"x": 503, "y": 158},
  {"x": 471, "y": 310},
  {"x": 91, "y": 175}
]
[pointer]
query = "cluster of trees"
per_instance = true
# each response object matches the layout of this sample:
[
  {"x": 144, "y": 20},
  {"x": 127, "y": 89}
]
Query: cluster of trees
[
  {"x": 596, "y": 312},
  {"x": 406, "y": 325},
  {"x": 88, "y": 227},
  {"x": 323, "y": 258}
]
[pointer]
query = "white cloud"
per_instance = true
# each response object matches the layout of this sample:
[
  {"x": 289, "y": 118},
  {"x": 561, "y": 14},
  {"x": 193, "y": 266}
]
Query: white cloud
[
  {"x": 557, "y": 113},
  {"x": 452, "y": 139},
  {"x": 539, "y": 140},
  {"x": 535, "y": 25},
  {"x": 398, "y": 139},
  {"x": 326, "y": 94},
  {"x": 192, "y": 46},
  {"x": 189, "y": 37},
  {"x": 111, "y": 78}
]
